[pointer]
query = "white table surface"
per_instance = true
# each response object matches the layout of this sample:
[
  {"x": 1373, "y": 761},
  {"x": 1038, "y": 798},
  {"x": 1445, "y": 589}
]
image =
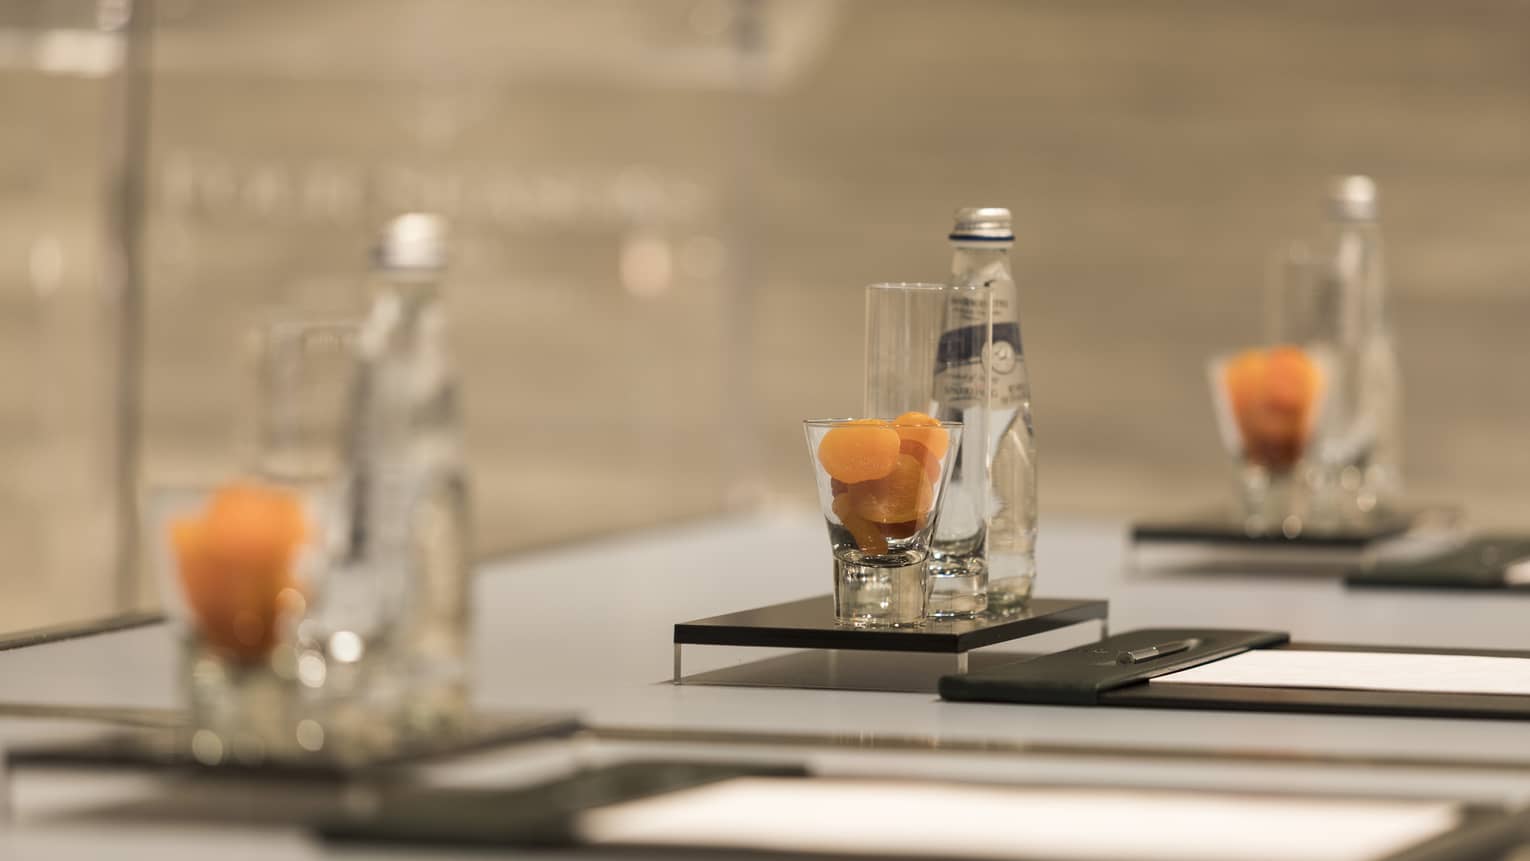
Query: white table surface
[{"x": 588, "y": 628}]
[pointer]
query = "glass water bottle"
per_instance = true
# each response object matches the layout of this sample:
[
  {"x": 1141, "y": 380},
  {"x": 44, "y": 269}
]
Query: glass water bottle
[
  {"x": 1001, "y": 486},
  {"x": 395, "y": 615}
]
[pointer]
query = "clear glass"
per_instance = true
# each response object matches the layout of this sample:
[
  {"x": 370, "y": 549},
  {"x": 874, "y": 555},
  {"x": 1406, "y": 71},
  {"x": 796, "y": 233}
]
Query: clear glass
[
  {"x": 986, "y": 300},
  {"x": 234, "y": 585},
  {"x": 1268, "y": 405},
  {"x": 1307, "y": 305},
  {"x": 906, "y": 359},
  {"x": 881, "y": 487},
  {"x": 1363, "y": 469}
]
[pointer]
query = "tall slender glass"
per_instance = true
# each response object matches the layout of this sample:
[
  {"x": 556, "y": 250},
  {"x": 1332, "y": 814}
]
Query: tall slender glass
[
  {"x": 904, "y": 325},
  {"x": 1308, "y": 307}
]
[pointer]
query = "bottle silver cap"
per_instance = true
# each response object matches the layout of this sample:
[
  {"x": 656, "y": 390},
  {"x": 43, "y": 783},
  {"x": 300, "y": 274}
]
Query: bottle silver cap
[
  {"x": 414, "y": 240},
  {"x": 990, "y": 223},
  {"x": 1352, "y": 198}
]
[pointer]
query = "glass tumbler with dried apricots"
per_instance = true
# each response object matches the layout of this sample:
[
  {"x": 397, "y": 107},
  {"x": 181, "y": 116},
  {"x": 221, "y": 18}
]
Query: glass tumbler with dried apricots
[
  {"x": 880, "y": 483},
  {"x": 1268, "y": 403},
  {"x": 235, "y": 567}
]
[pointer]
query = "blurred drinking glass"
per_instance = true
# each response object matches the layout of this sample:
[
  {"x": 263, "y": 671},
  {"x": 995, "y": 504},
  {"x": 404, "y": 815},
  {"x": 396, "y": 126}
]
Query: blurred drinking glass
[
  {"x": 1267, "y": 403},
  {"x": 1308, "y": 306}
]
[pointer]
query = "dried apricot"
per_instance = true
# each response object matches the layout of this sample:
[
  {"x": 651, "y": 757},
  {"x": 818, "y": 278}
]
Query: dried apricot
[
  {"x": 867, "y": 537},
  {"x": 263, "y": 513},
  {"x": 924, "y": 430},
  {"x": 1292, "y": 380},
  {"x": 905, "y": 529},
  {"x": 902, "y": 495},
  {"x": 235, "y": 561},
  {"x": 922, "y": 454},
  {"x": 1273, "y": 394},
  {"x": 199, "y": 575},
  {"x": 859, "y": 451}
]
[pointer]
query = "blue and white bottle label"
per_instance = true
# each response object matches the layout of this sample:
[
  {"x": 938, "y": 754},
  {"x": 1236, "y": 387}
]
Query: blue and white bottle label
[{"x": 964, "y": 354}]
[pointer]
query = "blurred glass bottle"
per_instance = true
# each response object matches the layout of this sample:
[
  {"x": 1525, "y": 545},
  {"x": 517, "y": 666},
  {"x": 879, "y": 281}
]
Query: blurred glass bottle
[
  {"x": 1001, "y": 487},
  {"x": 1365, "y": 465},
  {"x": 400, "y": 603}
]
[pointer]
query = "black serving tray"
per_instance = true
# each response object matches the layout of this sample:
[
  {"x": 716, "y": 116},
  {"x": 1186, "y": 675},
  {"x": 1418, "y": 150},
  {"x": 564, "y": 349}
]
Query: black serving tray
[
  {"x": 809, "y": 624},
  {"x": 1220, "y": 527},
  {"x": 168, "y": 749},
  {"x": 839, "y": 657}
]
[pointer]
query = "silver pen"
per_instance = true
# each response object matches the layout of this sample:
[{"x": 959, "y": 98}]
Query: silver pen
[{"x": 1146, "y": 653}]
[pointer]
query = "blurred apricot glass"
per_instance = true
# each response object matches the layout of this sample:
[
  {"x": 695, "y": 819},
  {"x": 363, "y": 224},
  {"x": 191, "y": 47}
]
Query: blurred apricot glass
[{"x": 1268, "y": 403}]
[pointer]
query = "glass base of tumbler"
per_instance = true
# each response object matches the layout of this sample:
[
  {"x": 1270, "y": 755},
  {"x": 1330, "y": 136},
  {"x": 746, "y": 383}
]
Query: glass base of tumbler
[
  {"x": 1011, "y": 579},
  {"x": 958, "y": 588},
  {"x": 888, "y": 591},
  {"x": 1271, "y": 504},
  {"x": 243, "y": 712},
  {"x": 1348, "y": 497}
]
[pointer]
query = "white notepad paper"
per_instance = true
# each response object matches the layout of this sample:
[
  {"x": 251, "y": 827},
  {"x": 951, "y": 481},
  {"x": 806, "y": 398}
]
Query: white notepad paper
[
  {"x": 1363, "y": 671},
  {"x": 910, "y": 819}
]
